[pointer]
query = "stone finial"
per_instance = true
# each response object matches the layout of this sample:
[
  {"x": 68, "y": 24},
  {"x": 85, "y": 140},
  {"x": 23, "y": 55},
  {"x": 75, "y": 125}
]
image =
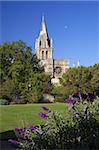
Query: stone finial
[{"x": 78, "y": 63}]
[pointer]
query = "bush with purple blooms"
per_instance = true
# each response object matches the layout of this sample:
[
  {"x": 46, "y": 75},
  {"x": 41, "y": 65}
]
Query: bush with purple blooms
[
  {"x": 78, "y": 130},
  {"x": 85, "y": 96}
]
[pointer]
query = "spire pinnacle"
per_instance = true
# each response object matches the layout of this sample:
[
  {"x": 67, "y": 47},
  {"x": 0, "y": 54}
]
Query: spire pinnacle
[
  {"x": 78, "y": 63},
  {"x": 43, "y": 18},
  {"x": 43, "y": 29}
]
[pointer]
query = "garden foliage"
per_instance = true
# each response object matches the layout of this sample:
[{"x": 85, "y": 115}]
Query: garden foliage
[
  {"x": 81, "y": 79},
  {"x": 78, "y": 130},
  {"x": 22, "y": 79}
]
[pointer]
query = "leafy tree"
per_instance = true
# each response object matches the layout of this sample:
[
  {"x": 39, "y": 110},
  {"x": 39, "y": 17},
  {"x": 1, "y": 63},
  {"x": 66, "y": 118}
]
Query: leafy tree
[
  {"x": 36, "y": 65},
  {"x": 22, "y": 78},
  {"x": 95, "y": 78},
  {"x": 81, "y": 79}
]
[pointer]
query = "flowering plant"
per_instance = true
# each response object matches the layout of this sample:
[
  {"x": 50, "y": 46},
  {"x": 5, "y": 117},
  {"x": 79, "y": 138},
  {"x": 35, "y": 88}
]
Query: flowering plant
[{"x": 79, "y": 130}]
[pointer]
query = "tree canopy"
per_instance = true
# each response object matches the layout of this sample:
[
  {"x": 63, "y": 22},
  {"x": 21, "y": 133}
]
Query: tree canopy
[
  {"x": 81, "y": 79},
  {"x": 22, "y": 79}
]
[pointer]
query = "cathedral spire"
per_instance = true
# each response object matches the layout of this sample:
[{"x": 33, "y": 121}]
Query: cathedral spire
[
  {"x": 42, "y": 18},
  {"x": 43, "y": 29},
  {"x": 43, "y": 44}
]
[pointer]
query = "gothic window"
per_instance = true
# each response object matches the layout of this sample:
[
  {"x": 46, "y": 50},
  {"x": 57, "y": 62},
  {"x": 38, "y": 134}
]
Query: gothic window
[
  {"x": 42, "y": 54},
  {"x": 40, "y": 43},
  {"x": 48, "y": 42},
  {"x": 46, "y": 54}
]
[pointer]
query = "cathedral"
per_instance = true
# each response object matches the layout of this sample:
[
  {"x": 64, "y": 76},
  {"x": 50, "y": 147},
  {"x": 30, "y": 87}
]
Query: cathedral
[{"x": 44, "y": 52}]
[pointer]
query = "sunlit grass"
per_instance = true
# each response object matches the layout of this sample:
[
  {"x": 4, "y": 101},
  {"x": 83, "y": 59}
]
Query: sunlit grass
[{"x": 13, "y": 116}]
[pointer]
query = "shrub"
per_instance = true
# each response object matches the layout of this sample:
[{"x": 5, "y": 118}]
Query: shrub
[
  {"x": 79, "y": 130},
  {"x": 58, "y": 99},
  {"x": 4, "y": 102}
]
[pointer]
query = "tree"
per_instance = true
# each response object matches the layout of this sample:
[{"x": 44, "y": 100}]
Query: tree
[
  {"x": 95, "y": 78},
  {"x": 81, "y": 79},
  {"x": 22, "y": 78},
  {"x": 36, "y": 65}
]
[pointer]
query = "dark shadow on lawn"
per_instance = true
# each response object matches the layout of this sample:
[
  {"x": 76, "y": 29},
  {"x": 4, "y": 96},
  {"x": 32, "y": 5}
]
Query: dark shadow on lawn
[{"x": 4, "y": 143}]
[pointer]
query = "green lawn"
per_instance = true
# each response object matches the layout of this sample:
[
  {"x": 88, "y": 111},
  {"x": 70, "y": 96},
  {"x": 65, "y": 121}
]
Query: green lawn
[{"x": 13, "y": 116}]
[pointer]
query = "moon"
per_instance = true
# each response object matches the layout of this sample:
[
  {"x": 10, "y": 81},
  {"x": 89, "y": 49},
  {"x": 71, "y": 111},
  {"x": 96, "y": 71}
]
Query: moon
[{"x": 66, "y": 26}]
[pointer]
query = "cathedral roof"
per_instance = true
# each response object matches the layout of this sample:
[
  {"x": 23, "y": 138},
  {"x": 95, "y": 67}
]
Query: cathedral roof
[{"x": 43, "y": 29}]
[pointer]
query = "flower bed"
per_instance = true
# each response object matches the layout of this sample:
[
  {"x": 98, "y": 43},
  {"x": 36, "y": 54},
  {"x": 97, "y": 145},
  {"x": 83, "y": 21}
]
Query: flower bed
[{"x": 80, "y": 130}]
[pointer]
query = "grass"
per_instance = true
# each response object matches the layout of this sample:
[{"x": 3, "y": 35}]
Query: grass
[{"x": 13, "y": 116}]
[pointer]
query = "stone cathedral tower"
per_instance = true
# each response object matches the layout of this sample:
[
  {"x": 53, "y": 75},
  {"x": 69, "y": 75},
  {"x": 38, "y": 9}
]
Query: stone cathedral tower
[
  {"x": 43, "y": 44},
  {"x": 44, "y": 52}
]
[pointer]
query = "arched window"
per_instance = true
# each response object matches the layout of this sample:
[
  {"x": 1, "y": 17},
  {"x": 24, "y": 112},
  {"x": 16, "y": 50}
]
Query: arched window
[
  {"x": 42, "y": 54},
  {"x": 40, "y": 43},
  {"x": 46, "y": 54},
  {"x": 48, "y": 42}
]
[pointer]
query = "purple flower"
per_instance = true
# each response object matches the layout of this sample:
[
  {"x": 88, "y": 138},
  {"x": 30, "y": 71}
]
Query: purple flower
[
  {"x": 43, "y": 115},
  {"x": 20, "y": 130},
  {"x": 46, "y": 126},
  {"x": 14, "y": 142},
  {"x": 32, "y": 127},
  {"x": 91, "y": 96},
  {"x": 74, "y": 101},
  {"x": 71, "y": 101},
  {"x": 94, "y": 94},
  {"x": 79, "y": 95},
  {"x": 46, "y": 109}
]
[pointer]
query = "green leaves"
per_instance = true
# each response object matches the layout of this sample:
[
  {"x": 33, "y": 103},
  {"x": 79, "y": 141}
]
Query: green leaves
[
  {"x": 21, "y": 74},
  {"x": 83, "y": 79},
  {"x": 79, "y": 130}
]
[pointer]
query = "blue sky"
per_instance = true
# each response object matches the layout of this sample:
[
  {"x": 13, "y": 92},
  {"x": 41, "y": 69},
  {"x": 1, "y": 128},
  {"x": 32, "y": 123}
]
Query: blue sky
[{"x": 73, "y": 26}]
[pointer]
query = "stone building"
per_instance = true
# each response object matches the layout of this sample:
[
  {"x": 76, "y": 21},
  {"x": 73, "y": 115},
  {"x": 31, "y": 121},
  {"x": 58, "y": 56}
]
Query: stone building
[{"x": 44, "y": 52}]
